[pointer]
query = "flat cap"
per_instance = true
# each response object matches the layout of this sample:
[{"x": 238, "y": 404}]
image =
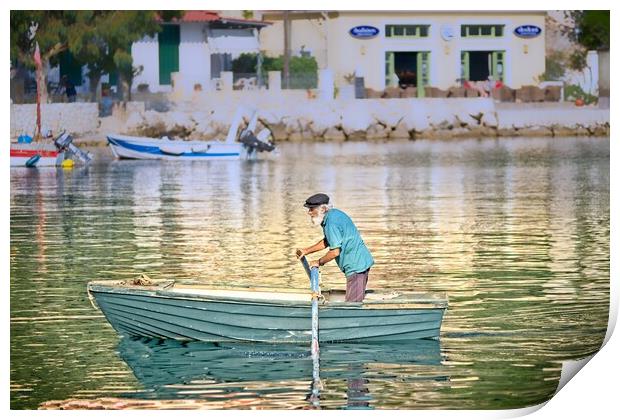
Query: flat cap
[{"x": 316, "y": 200}]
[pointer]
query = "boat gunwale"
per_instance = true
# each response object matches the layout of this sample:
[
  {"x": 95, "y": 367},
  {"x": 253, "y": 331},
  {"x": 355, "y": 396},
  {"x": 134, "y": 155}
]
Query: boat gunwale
[{"x": 158, "y": 291}]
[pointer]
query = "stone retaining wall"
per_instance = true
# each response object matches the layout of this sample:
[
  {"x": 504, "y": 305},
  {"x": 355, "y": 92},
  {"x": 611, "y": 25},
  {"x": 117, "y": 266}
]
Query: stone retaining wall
[
  {"x": 76, "y": 118},
  {"x": 295, "y": 119}
]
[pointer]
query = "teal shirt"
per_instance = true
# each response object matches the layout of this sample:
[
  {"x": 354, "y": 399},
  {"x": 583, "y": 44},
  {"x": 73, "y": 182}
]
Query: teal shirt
[{"x": 340, "y": 232}]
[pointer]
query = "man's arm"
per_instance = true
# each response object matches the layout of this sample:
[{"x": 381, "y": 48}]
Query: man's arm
[
  {"x": 322, "y": 244},
  {"x": 333, "y": 253}
]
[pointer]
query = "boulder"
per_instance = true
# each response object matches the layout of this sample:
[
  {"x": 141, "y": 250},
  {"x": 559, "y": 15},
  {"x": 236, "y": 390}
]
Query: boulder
[
  {"x": 278, "y": 131},
  {"x": 134, "y": 121},
  {"x": 356, "y": 135},
  {"x": 377, "y": 131},
  {"x": 179, "y": 124},
  {"x": 385, "y": 113},
  {"x": 356, "y": 117},
  {"x": 400, "y": 131},
  {"x": 489, "y": 119},
  {"x": 334, "y": 133}
]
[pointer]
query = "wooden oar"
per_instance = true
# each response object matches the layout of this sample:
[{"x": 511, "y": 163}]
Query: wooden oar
[{"x": 313, "y": 274}]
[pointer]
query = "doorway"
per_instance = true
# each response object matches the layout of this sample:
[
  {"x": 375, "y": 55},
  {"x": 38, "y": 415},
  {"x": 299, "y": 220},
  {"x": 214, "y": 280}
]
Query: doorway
[
  {"x": 479, "y": 66},
  {"x": 407, "y": 69}
]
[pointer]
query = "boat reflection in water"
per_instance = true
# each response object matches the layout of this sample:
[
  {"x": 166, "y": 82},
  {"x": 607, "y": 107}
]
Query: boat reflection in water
[{"x": 172, "y": 370}]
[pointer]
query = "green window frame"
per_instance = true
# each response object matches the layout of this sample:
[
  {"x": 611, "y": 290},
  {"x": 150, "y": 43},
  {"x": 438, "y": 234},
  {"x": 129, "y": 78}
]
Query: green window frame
[
  {"x": 407, "y": 31},
  {"x": 423, "y": 74},
  {"x": 497, "y": 65},
  {"x": 169, "y": 39},
  {"x": 482, "y": 31},
  {"x": 389, "y": 68}
]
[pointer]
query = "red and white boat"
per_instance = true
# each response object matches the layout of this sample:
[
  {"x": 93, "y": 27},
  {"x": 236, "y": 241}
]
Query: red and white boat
[
  {"x": 25, "y": 154},
  {"x": 47, "y": 154}
]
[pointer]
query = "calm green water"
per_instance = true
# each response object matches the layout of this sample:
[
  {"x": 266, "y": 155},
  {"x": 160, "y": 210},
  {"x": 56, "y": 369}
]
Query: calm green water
[{"x": 515, "y": 231}]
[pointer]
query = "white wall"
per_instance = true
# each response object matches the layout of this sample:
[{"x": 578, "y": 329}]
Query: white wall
[
  {"x": 77, "y": 118},
  {"x": 146, "y": 53},
  {"x": 233, "y": 41},
  {"x": 588, "y": 78},
  {"x": 197, "y": 43},
  {"x": 525, "y": 58},
  {"x": 194, "y": 56}
]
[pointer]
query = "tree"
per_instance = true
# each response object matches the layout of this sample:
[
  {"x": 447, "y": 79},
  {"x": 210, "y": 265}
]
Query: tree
[
  {"x": 53, "y": 29},
  {"x": 100, "y": 39},
  {"x": 119, "y": 30},
  {"x": 590, "y": 31},
  {"x": 591, "y": 28}
]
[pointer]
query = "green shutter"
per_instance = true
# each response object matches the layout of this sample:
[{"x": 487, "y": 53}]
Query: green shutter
[
  {"x": 423, "y": 76},
  {"x": 465, "y": 65},
  {"x": 498, "y": 66},
  {"x": 169, "y": 39},
  {"x": 390, "y": 68}
]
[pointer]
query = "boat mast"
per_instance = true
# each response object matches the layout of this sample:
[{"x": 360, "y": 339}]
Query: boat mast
[
  {"x": 37, "y": 134},
  {"x": 39, "y": 75}
]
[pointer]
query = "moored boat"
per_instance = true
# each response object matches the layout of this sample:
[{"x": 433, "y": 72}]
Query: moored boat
[
  {"x": 245, "y": 146},
  {"x": 130, "y": 147},
  {"x": 199, "y": 313},
  {"x": 36, "y": 154}
]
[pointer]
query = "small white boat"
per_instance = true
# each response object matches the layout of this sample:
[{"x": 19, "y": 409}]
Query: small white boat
[
  {"x": 245, "y": 146},
  {"x": 129, "y": 147}
]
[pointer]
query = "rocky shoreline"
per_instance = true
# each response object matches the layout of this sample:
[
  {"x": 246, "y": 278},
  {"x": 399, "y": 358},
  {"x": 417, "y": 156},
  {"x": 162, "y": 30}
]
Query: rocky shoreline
[
  {"x": 302, "y": 119},
  {"x": 431, "y": 118}
]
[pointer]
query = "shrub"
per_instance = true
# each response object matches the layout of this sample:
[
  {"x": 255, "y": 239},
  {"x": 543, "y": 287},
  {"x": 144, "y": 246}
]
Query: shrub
[
  {"x": 573, "y": 92},
  {"x": 555, "y": 63},
  {"x": 303, "y": 70}
]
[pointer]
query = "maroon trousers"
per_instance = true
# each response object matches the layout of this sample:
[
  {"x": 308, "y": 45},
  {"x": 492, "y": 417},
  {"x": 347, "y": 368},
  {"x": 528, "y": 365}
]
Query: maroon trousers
[{"x": 356, "y": 286}]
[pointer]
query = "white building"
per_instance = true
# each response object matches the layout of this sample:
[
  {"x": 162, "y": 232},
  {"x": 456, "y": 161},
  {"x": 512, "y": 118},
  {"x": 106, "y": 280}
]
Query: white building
[
  {"x": 198, "y": 47},
  {"x": 428, "y": 48}
]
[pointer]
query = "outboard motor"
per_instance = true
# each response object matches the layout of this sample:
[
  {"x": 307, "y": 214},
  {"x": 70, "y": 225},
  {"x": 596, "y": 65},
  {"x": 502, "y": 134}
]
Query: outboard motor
[
  {"x": 65, "y": 142},
  {"x": 258, "y": 143}
]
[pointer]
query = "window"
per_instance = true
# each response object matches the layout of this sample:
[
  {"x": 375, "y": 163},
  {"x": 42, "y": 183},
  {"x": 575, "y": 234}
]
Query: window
[
  {"x": 406, "y": 31},
  {"x": 468, "y": 31}
]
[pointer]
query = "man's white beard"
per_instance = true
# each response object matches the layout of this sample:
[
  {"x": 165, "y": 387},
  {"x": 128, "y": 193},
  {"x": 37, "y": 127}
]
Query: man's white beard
[{"x": 317, "y": 220}]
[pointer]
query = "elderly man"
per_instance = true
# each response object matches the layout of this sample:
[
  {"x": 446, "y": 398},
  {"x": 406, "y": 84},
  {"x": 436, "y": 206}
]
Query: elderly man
[{"x": 345, "y": 245}]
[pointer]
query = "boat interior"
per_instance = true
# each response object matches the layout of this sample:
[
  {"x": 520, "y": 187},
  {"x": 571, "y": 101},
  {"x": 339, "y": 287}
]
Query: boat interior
[{"x": 270, "y": 294}]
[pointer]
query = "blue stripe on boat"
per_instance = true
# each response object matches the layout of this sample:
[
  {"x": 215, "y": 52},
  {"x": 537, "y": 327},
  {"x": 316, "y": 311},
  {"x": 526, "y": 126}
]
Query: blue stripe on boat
[{"x": 155, "y": 150}]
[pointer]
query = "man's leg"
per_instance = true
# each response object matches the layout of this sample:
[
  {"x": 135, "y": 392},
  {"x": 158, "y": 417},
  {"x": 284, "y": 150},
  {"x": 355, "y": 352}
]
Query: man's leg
[{"x": 356, "y": 286}]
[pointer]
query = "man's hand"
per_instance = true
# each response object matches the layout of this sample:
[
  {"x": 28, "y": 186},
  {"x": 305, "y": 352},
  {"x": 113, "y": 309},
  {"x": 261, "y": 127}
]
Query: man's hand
[
  {"x": 300, "y": 253},
  {"x": 314, "y": 263}
]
